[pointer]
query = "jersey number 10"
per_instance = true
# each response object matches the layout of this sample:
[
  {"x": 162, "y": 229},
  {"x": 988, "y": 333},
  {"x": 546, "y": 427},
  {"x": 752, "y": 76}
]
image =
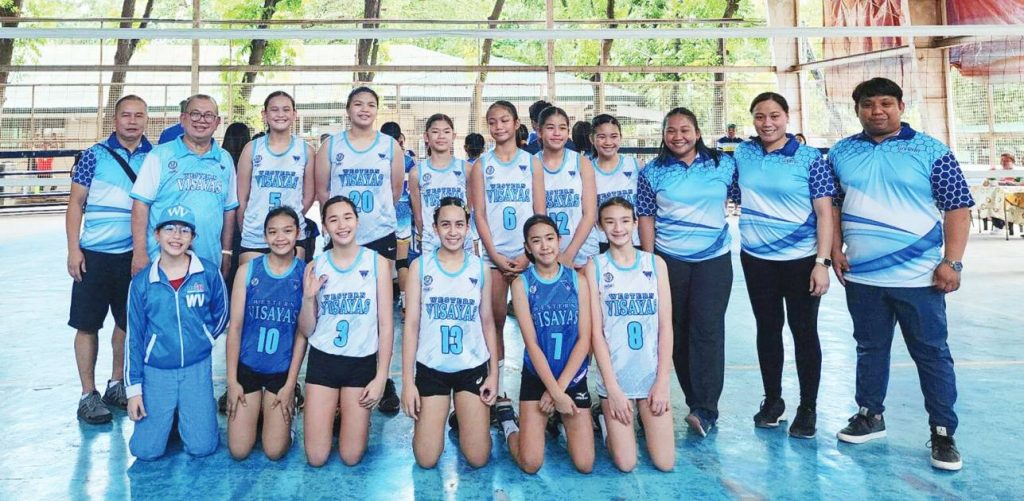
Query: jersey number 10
[{"x": 269, "y": 339}]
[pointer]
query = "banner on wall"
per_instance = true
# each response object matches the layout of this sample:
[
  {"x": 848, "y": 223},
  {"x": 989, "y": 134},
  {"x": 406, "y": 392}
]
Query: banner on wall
[
  {"x": 840, "y": 80},
  {"x": 999, "y": 60}
]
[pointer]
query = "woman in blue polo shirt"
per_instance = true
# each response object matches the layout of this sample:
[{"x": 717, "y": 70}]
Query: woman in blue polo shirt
[
  {"x": 681, "y": 197},
  {"x": 786, "y": 236}
]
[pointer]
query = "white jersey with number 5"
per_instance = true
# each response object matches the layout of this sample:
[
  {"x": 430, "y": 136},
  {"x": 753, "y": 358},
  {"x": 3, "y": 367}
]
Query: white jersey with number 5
[
  {"x": 620, "y": 182},
  {"x": 563, "y": 199},
  {"x": 346, "y": 322},
  {"x": 365, "y": 177},
  {"x": 629, "y": 315},
  {"x": 451, "y": 334},
  {"x": 276, "y": 181},
  {"x": 508, "y": 196}
]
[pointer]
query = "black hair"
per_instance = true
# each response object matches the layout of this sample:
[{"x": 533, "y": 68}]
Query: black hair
[
  {"x": 504, "y": 104},
  {"x": 391, "y": 129},
  {"x": 277, "y": 93},
  {"x": 665, "y": 155},
  {"x": 536, "y": 108},
  {"x": 130, "y": 97},
  {"x": 875, "y": 87},
  {"x": 333, "y": 200},
  {"x": 581, "y": 132},
  {"x": 236, "y": 136},
  {"x": 283, "y": 210},
  {"x": 359, "y": 90},
  {"x": 522, "y": 134},
  {"x": 474, "y": 145},
  {"x": 770, "y": 96},
  {"x": 536, "y": 219},
  {"x": 438, "y": 117},
  {"x": 450, "y": 202},
  {"x": 549, "y": 112},
  {"x": 617, "y": 202}
]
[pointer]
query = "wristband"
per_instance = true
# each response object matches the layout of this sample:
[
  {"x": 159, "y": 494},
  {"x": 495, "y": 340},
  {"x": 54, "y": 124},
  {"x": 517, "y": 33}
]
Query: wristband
[{"x": 226, "y": 252}]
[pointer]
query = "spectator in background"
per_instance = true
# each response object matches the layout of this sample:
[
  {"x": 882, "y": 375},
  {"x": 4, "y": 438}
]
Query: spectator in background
[
  {"x": 46, "y": 164},
  {"x": 728, "y": 143},
  {"x": 581, "y": 132},
  {"x": 236, "y": 136},
  {"x": 175, "y": 131},
  {"x": 533, "y": 144},
  {"x": 1007, "y": 162},
  {"x": 474, "y": 146},
  {"x": 800, "y": 138},
  {"x": 522, "y": 136}
]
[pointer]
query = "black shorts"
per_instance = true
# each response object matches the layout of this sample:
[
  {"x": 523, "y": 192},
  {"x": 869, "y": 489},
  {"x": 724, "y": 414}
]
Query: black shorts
[
  {"x": 531, "y": 388},
  {"x": 339, "y": 371},
  {"x": 432, "y": 382},
  {"x": 386, "y": 246},
  {"x": 253, "y": 381},
  {"x": 104, "y": 286}
]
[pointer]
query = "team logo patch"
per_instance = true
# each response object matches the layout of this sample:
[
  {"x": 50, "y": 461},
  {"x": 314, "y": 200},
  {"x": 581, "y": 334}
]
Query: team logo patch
[
  {"x": 473, "y": 280},
  {"x": 172, "y": 165},
  {"x": 296, "y": 157},
  {"x": 382, "y": 155},
  {"x": 522, "y": 168},
  {"x": 257, "y": 159},
  {"x": 490, "y": 170},
  {"x": 628, "y": 173},
  {"x": 254, "y": 282},
  {"x": 196, "y": 287},
  {"x": 608, "y": 277},
  {"x": 339, "y": 157},
  {"x": 364, "y": 273},
  {"x": 296, "y": 285},
  {"x": 427, "y": 280},
  {"x": 458, "y": 173},
  {"x": 572, "y": 173},
  {"x": 648, "y": 274},
  {"x": 479, "y": 380},
  {"x": 533, "y": 289},
  {"x": 568, "y": 288},
  {"x": 426, "y": 178}
]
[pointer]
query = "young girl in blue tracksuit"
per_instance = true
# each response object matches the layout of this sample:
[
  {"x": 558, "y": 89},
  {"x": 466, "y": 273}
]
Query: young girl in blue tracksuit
[{"x": 177, "y": 307}]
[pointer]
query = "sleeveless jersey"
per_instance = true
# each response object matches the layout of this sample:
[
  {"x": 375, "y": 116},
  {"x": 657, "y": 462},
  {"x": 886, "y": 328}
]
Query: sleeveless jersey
[
  {"x": 365, "y": 177},
  {"x": 620, "y": 182},
  {"x": 629, "y": 315},
  {"x": 272, "y": 304},
  {"x": 563, "y": 190},
  {"x": 276, "y": 181},
  {"x": 436, "y": 184},
  {"x": 508, "y": 192},
  {"x": 451, "y": 333},
  {"x": 554, "y": 308},
  {"x": 346, "y": 322}
]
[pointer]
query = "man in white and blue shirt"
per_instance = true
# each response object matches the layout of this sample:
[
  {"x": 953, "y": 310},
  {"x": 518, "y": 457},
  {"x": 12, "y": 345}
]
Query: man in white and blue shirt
[
  {"x": 192, "y": 171},
  {"x": 905, "y": 218},
  {"x": 100, "y": 250}
]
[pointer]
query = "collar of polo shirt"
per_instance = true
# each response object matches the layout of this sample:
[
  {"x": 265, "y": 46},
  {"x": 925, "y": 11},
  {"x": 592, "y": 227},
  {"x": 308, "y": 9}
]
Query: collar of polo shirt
[
  {"x": 906, "y": 132},
  {"x": 789, "y": 149},
  {"x": 114, "y": 144},
  {"x": 181, "y": 150}
]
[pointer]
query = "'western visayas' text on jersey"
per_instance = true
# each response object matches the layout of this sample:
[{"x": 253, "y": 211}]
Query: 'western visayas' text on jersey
[
  {"x": 892, "y": 194},
  {"x": 555, "y": 310},
  {"x": 435, "y": 184},
  {"x": 688, "y": 206},
  {"x": 272, "y": 304},
  {"x": 563, "y": 197},
  {"x": 451, "y": 333},
  {"x": 346, "y": 322},
  {"x": 365, "y": 177},
  {"x": 170, "y": 329},
  {"x": 778, "y": 221},
  {"x": 173, "y": 175},
  {"x": 508, "y": 196},
  {"x": 108, "y": 208},
  {"x": 276, "y": 181},
  {"x": 620, "y": 182},
  {"x": 629, "y": 319}
]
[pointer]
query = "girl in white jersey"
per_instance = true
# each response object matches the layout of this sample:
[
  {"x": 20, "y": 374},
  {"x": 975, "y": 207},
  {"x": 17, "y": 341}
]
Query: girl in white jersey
[
  {"x": 615, "y": 175},
  {"x": 273, "y": 171},
  {"x": 631, "y": 313},
  {"x": 448, "y": 343},
  {"x": 569, "y": 187},
  {"x": 505, "y": 187},
  {"x": 368, "y": 168},
  {"x": 440, "y": 175},
  {"x": 346, "y": 313}
]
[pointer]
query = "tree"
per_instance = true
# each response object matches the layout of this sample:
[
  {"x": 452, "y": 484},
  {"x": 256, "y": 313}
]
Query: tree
[
  {"x": 257, "y": 51},
  {"x": 718, "y": 109},
  {"x": 603, "y": 59},
  {"x": 126, "y": 48},
  {"x": 8, "y": 8},
  {"x": 367, "y": 48},
  {"x": 485, "y": 59}
]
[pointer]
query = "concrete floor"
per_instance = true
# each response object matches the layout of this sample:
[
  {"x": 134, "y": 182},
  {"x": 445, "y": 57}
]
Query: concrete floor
[{"x": 46, "y": 454}]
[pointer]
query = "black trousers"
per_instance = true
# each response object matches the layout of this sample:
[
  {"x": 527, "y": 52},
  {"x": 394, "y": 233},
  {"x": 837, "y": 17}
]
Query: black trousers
[
  {"x": 700, "y": 295},
  {"x": 770, "y": 285}
]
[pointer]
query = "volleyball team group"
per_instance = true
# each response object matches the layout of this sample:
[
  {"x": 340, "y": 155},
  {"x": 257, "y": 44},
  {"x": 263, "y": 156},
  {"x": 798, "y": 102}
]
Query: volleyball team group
[{"x": 618, "y": 273}]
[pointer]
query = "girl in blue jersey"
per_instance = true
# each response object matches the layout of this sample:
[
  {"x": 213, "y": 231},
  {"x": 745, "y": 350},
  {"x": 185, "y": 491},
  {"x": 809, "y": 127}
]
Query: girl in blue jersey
[
  {"x": 347, "y": 315},
  {"x": 275, "y": 170},
  {"x": 570, "y": 197},
  {"x": 438, "y": 176},
  {"x": 681, "y": 200},
  {"x": 263, "y": 353},
  {"x": 177, "y": 306},
  {"x": 631, "y": 313},
  {"x": 615, "y": 175},
  {"x": 505, "y": 187},
  {"x": 448, "y": 343},
  {"x": 786, "y": 236},
  {"x": 553, "y": 309}
]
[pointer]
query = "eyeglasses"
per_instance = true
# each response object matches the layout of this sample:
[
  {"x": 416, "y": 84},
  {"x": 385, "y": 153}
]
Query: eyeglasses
[
  {"x": 172, "y": 229},
  {"x": 196, "y": 116}
]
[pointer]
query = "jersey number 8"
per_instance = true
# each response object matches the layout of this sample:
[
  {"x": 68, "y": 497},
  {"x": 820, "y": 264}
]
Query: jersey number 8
[{"x": 636, "y": 335}]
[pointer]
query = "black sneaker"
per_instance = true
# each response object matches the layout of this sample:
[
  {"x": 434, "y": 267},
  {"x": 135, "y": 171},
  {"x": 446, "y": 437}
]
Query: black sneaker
[
  {"x": 863, "y": 427},
  {"x": 700, "y": 424},
  {"x": 805, "y": 423},
  {"x": 945, "y": 456},
  {"x": 222, "y": 403},
  {"x": 116, "y": 395},
  {"x": 508, "y": 423},
  {"x": 554, "y": 423},
  {"x": 453, "y": 422},
  {"x": 91, "y": 409},
  {"x": 770, "y": 414},
  {"x": 299, "y": 399},
  {"x": 389, "y": 402}
]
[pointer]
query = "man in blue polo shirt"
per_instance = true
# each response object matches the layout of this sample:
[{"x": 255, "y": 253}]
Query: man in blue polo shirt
[
  {"x": 192, "y": 171},
  {"x": 100, "y": 250},
  {"x": 905, "y": 219}
]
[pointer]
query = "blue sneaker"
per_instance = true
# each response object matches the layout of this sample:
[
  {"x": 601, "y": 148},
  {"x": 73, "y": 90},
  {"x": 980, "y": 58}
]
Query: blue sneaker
[{"x": 700, "y": 423}]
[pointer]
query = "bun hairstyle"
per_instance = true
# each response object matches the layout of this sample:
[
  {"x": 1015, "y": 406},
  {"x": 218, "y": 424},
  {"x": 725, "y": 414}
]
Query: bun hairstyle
[
  {"x": 450, "y": 202},
  {"x": 665, "y": 155}
]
